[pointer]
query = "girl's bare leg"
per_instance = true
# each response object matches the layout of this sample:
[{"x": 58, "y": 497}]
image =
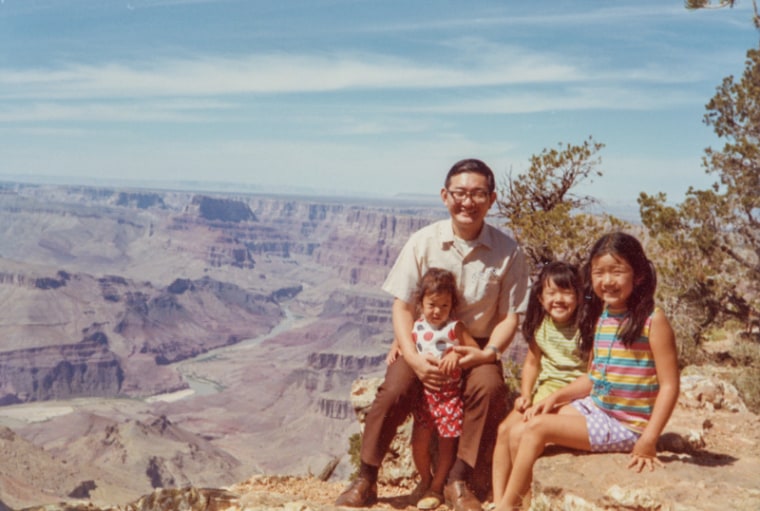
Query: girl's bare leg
[
  {"x": 502, "y": 459},
  {"x": 566, "y": 428},
  {"x": 515, "y": 435},
  {"x": 447, "y": 453},
  {"x": 421, "y": 440}
]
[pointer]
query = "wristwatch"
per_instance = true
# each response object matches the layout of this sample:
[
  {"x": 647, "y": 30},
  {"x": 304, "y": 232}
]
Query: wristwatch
[{"x": 495, "y": 350}]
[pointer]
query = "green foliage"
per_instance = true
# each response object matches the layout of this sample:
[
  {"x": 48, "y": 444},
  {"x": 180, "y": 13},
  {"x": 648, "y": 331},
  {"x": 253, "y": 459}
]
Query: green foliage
[
  {"x": 512, "y": 372},
  {"x": 707, "y": 4},
  {"x": 710, "y": 243},
  {"x": 745, "y": 379},
  {"x": 545, "y": 216},
  {"x": 720, "y": 4},
  {"x": 354, "y": 453},
  {"x": 748, "y": 385}
]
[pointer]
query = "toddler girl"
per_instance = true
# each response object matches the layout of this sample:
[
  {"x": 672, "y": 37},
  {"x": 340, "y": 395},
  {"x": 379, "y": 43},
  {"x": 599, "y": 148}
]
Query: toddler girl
[{"x": 440, "y": 411}]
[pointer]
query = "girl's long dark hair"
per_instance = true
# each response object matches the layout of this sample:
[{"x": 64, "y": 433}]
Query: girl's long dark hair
[
  {"x": 565, "y": 276},
  {"x": 641, "y": 302}
]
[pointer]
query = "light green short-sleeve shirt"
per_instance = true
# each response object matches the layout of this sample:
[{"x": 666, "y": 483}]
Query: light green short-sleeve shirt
[
  {"x": 491, "y": 272},
  {"x": 560, "y": 363}
]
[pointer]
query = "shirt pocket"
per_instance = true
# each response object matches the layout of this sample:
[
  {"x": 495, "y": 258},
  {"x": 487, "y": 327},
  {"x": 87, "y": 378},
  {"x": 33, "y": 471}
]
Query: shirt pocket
[{"x": 482, "y": 286}]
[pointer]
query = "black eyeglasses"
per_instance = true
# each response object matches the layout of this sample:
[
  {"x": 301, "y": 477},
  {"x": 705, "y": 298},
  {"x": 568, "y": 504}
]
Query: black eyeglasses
[{"x": 477, "y": 196}]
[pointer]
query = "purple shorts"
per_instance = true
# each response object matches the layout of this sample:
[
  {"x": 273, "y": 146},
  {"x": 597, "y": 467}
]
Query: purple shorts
[{"x": 605, "y": 434}]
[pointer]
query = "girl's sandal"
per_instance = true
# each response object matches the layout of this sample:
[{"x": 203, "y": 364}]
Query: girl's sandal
[
  {"x": 430, "y": 500},
  {"x": 419, "y": 491}
]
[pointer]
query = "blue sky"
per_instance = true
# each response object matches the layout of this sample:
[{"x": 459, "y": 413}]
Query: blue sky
[{"x": 357, "y": 96}]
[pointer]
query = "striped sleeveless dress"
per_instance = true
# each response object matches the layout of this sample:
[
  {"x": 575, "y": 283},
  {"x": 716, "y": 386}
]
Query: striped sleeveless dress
[{"x": 625, "y": 379}]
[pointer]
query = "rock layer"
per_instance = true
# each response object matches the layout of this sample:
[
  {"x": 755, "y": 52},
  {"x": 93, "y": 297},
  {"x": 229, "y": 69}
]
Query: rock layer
[{"x": 235, "y": 316}]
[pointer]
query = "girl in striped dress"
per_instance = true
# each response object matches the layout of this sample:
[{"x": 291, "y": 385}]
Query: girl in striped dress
[{"x": 626, "y": 398}]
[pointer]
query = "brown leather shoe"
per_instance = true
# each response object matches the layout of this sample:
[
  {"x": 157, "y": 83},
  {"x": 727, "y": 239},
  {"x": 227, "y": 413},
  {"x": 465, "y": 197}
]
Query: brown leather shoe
[
  {"x": 459, "y": 497},
  {"x": 360, "y": 493}
]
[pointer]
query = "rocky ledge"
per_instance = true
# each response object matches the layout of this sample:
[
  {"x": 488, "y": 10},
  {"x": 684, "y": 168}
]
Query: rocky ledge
[{"x": 710, "y": 452}]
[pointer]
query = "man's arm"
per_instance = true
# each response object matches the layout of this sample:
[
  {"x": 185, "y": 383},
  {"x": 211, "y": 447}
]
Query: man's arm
[
  {"x": 501, "y": 337},
  {"x": 402, "y": 314},
  {"x": 426, "y": 368},
  {"x": 504, "y": 332}
]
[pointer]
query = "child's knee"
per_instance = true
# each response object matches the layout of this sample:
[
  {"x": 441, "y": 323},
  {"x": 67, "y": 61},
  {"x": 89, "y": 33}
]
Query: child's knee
[
  {"x": 514, "y": 418},
  {"x": 503, "y": 431},
  {"x": 516, "y": 432},
  {"x": 534, "y": 430}
]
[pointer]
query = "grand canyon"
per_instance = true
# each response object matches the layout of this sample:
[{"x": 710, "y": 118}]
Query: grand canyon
[
  {"x": 186, "y": 350},
  {"x": 155, "y": 338}
]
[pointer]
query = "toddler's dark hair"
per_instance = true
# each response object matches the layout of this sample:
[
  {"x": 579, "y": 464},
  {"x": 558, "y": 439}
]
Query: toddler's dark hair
[{"x": 436, "y": 280}]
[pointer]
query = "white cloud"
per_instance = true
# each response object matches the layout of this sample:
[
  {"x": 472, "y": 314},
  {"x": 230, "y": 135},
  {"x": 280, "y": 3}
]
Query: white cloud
[
  {"x": 587, "y": 97},
  {"x": 563, "y": 16},
  {"x": 141, "y": 92},
  {"x": 101, "y": 111},
  {"x": 281, "y": 73}
]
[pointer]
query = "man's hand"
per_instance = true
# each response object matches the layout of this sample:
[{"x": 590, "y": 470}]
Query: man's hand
[
  {"x": 426, "y": 369},
  {"x": 472, "y": 356},
  {"x": 393, "y": 354}
]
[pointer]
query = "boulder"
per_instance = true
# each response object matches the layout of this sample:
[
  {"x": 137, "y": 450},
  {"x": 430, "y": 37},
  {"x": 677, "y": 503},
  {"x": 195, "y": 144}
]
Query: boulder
[{"x": 710, "y": 451}]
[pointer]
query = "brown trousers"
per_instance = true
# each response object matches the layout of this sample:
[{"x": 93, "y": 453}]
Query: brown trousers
[{"x": 485, "y": 406}]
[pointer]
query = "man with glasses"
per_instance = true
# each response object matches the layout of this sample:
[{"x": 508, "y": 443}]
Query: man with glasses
[{"x": 492, "y": 277}]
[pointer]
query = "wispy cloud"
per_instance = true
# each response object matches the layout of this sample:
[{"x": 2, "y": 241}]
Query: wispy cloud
[
  {"x": 558, "y": 15},
  {"x": 590, "y": 97},
  {"x": 474, "y": 64},
  {"x": 187, "y": 90},
  {"x": 364, "y": 92},
  {"x": 97, "y": 111},
  {"x": 279, "y": 73}
]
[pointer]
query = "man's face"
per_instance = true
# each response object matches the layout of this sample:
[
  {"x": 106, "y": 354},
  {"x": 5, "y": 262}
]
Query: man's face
[{"x": 468, "y": 200}]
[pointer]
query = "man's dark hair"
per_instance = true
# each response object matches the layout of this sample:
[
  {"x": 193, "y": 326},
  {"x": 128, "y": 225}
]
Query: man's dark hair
[{"x": 475, "y": 166}]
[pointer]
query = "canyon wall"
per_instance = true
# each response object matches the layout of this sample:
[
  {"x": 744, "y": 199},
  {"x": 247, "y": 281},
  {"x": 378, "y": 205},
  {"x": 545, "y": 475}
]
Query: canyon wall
[
  {"x": 220, "y": 267},
  {"x": 236, "y": 317}
]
